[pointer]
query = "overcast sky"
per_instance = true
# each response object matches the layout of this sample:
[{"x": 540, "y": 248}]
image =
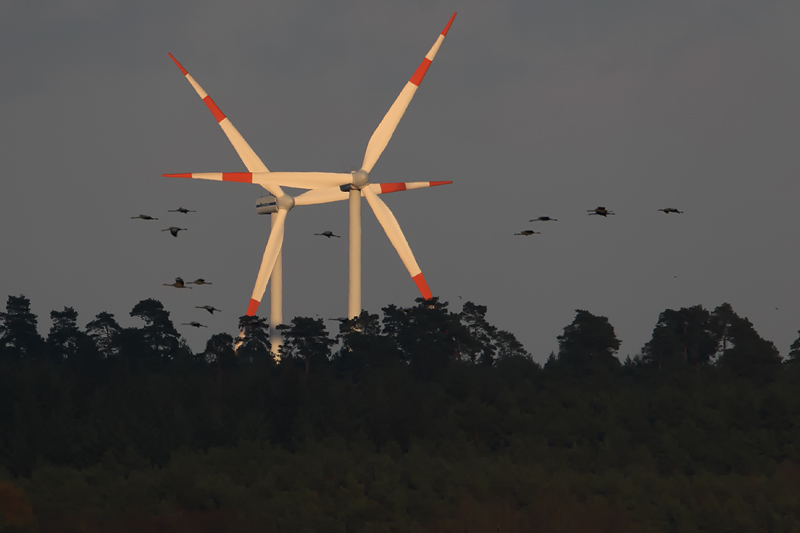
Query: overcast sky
[{"x": 530, "y": 108}]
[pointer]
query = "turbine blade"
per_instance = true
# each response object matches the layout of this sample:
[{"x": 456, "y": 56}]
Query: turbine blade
[
  {"x": 321, "y": 196},
  {"x": 239, "y": 177},
  {"x": 395, "y": 234},
  {"x": 302, "y": 180},
  {"x": 251, "y": 161},
  {"x": 384, "y": 188},
  {"x": 380, "y": 138},
  {"x": 271, "y": 252}
]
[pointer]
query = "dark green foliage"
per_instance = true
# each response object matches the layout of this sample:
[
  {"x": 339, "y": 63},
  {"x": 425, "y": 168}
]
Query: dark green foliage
[
  {"x": 744, "y": 352},
  {"x": 681, "y": 338},
  {"x": 159, "y": 334},
  {"x": 363, "y": 345},
  {"x": 306, "y": 340},
  {"x": 18, "y": 335},
  {"x": 589, "y": 342},
  {"x": 427, "y": 334},
  {"x": 104, "y": 330},
  {"x": 794, "y": 351},
  {"x": 254, "y": 345},
  {"x": 424, "y": 420}
]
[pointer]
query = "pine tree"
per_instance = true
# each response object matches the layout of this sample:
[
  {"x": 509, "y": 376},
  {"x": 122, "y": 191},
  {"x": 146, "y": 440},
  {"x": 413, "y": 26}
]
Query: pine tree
[
  {"x": 19, "y": 337},
  {"x": 589, "y": 341}
]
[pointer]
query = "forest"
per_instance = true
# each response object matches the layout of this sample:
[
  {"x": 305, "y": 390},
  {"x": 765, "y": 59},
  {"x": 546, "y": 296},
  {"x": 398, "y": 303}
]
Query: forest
[{"x": 417, "y": 419}]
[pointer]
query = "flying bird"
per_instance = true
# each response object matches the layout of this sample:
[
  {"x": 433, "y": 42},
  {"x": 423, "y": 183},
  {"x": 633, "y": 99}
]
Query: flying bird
[
  {"x": 669, "y": 210},
  {"x": 174, "y": 230},
  {"x": 201, "y": 281},
  {"x": 194, "y": 324},
  {"x": 327, "y": 234},
  {"x": 179, "y": 284},
  {"x": 543, "y": 219},
  {"x": 602, "y": 211},
  {"x": 209, "y": 308},
  {"x": 146, "y": 217},
  {"x": 182, "y": 210},
  {"x": 528, "y": 232}
]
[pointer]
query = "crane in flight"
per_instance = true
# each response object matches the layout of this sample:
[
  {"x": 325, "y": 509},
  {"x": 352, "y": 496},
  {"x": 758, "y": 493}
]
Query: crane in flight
[
  {"x": 602, "y": 211},
  {"x": 182, "y": 210},
  {"x": 146, "y": 217},
  {"x": 179, "y": 284},
  {"x": 209, "y": 308},
  {"x": 528, "y": 232},
  {"x": 543, "y": 219},
  {"x": 327, "y": 234},
  {"x": 669, "y": 210},
  {"x": 174, "y": 230}
]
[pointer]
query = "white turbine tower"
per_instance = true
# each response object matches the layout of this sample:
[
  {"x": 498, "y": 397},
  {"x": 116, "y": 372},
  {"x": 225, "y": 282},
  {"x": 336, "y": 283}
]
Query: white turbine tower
[{"x": 327, "y": 187}]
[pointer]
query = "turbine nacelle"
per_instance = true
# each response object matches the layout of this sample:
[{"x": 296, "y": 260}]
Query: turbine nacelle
[{"x": 266, "y": 205}]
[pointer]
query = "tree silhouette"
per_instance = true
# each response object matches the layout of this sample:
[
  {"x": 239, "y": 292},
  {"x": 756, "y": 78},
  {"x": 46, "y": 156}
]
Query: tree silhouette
[
  {"x": 588, "y": 341},
  {"x": 478, "y": 345},
  {"x": 681, "y": 338},
  {"x": 794, "y": 351},
  {"x": 104, "y": 330},
  {"x": 307, "y": 339},
  {"x": 19, "y": 337},
  {"x": 255, "y": 344},
  {"x": 746, "y": 353},
  {"x": 159, "y": 332}
]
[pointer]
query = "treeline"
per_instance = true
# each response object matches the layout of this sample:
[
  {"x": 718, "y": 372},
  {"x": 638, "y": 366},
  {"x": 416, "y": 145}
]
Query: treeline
[{"x": 421, "y": 419}]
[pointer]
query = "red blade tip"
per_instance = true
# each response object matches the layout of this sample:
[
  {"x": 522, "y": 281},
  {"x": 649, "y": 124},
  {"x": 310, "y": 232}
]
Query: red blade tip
[
  {"x": 181, "y": 66},
  {"x": 422, "y": 285},
  {"x": 447, "y": 28},
  {"x": 177, "y": 175},
  {"x": 252, "y": 307}
]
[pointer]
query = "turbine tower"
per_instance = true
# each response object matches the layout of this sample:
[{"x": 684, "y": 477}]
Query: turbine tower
[{"x": 325, "y": 187}]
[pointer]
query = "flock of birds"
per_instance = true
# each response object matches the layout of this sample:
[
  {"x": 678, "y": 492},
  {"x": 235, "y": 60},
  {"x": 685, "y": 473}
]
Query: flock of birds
[
  {"x": 600, "y": 211},
  {"x": 179, "y": 283}
]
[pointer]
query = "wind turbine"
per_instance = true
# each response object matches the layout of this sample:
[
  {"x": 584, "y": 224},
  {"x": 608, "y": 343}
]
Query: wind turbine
[{"x": 326, "y": 187}]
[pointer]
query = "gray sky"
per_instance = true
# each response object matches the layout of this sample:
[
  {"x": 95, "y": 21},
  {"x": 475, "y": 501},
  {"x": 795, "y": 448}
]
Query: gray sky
[{"x": 530, "y": 108}]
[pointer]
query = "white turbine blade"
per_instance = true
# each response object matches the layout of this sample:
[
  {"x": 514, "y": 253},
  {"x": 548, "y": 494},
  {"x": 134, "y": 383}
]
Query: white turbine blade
[
  {"x": 271, "y": 252},
  {"x": 251, "y": 161},
  {"x": 395, "y": 234},
  {"x": 380, "y": 138},
  {"x": 239, "y": 177},
  {"x": 384, "y": 188},
  {"x": 321, "y": 196},
  {"x": 303, "y": 180}
]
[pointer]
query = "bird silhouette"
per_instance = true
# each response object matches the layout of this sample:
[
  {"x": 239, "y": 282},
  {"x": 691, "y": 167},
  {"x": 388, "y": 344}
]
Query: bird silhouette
[
  {"x": 179, "y": 284},
  {"x": 194, "y": 324},
  {"x": 543, "y": 219},
  {"x": 602, "y": 211},
  {"x": 174, "y": 230},
  {"x": 669, "y": 210},
  {"x": 182, "y": 210},
  {"x": 200, "y": 281},
  {"x": 327, "y": 234},
  {"x": 528, "y": 232},
  {"x": 146, "y": 217},
  {"x": 209, "y": 308}
]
